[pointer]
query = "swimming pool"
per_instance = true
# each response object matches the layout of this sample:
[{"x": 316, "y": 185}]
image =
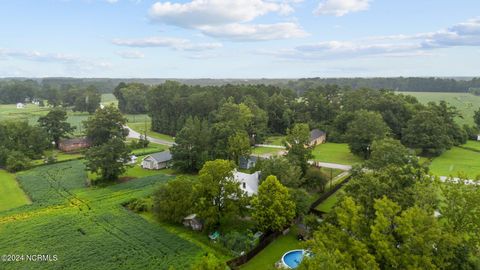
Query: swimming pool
[{"x": 293, "y": 258}]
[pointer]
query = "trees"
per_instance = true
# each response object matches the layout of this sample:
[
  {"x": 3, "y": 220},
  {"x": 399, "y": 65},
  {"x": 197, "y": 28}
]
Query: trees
[
  {"x": 315, "y": 179},
  {"x": 192, "y": 146},
  {"x": 426, "y": 131},
  {"x": 32, "y": 141},
  {"x": 394, "y": 238},
  {"x": 108, "y": 159},
  {"x": 239, "y": 146},
  {"x": 273, "y": 206},
  {"x": 219, "y": 195},
  {"x": 132, "y": 97},
  {"x": 390, "y": 152},
  {"x": 288, "y": 174},
  {"x": 363, "y": 130},
  {"x": 87, "y": 100},
  {"x": 174, "y": 200},
  {"x": 297, "y": 143},
  {"x": 105, "y": 124},
  {"x": 55, "y": 124},
  {"x": 16, "y": 161},
  {"x": 476, "y": 118},
  {"x": 210, "y": 262}
]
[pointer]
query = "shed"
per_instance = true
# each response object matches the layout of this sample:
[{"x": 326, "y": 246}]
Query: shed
[
  {"x": 192, "y": 221},
  {"x": 317, "y": 136},
  {"x": 20, "y": 105},
  {"x": 157, "y": 161}
]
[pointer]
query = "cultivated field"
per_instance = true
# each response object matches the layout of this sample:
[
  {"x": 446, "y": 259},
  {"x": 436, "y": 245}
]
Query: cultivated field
[
  {"x": 464, "y": 102},
  {"x": 87, "y": 228}
]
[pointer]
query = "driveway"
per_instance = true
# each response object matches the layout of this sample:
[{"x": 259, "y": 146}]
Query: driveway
[
  {"x": 342, "y": 167},
  {"x": 135, "y": 135}
]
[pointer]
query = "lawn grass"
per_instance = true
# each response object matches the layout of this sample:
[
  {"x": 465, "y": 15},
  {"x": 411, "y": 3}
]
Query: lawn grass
[
  {"x": 266, "y": 151},
  {"x": 335, "y": 153},
  {"x": 267, "y": 258},
  {"x": 466, "y": 103},
  {"x": 474, "y": 145},
  {"x": 275, "y": 140},
  {"x": 138, "y": 122},
  {"x": 457, "y": 160},
  {"x": 60, "y": 156},
  {"x": 327, "y": 205},
  {"x": 11, "y": 195}
]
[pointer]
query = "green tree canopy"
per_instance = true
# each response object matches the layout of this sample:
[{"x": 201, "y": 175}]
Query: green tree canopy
[
  {"x": 297, "y": 144},
  {"x": 55, "y": 124},
  {"x": 174, "y": 200},
  {"x": 273, "y": 206},
  {"x": 365, "y": 128},
  {"x": 105, "y": 124},
  {"x": 390, "y": 152},
  {"x": 109, "y": 159}
]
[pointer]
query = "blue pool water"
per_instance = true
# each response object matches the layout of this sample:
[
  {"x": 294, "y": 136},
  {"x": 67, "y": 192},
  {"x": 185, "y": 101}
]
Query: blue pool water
[{"x": 293, "y": 258}]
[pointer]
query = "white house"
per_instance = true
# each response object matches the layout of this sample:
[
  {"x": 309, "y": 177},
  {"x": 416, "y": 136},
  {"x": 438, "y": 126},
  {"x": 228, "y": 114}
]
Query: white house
[
  {"x": 248, "y": 182},
  {"x": 157, "y": 161},
  {"x": 478, "y": 137},
  {"x": 20, "y": 105}
]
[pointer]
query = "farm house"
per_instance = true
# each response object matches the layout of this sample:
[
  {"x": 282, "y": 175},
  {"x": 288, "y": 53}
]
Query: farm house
[{"x": 157, "y": 161}]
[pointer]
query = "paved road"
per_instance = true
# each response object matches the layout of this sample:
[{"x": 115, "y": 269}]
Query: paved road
[
  {"x": 330, "y": 165},
  {"x": 135, "y": 135}
]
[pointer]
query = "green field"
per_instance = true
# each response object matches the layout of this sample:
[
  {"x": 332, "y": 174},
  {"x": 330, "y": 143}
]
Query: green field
[
  {"x": 267, "y": 258},
  {"x": 87, "y": 228},
  {"x": 464, "y": 102},
  {"x": 335, "y": 153},
  {"x": 265, "y": 151},
  {"x": 457, "y": 160},
  {"x": 327, "y": 205},
  {"x": 11, "y": 195},
  {"x": 275, "y": 140}
]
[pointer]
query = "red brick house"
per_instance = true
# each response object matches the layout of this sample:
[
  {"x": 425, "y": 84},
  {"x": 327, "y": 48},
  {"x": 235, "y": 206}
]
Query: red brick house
[{"x": 73, "y": 145}]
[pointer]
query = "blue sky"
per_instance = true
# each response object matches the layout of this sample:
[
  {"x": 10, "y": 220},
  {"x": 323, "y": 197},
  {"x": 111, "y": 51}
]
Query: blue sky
[{"x": 239, "y": 38}]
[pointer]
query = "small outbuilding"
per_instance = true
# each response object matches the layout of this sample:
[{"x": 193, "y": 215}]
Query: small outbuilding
[
  {"x": 20, "y": 105},
  {"x": 73, "y": 145},
  {"x": 157, "y": 161},
  {"x": 192, "y": 221},
  {"x": 317, "y": 136},
  {"x": 478, "y": 137}
]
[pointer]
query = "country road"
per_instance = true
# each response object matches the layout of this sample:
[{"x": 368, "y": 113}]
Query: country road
[{"x": 135, "y": 135}]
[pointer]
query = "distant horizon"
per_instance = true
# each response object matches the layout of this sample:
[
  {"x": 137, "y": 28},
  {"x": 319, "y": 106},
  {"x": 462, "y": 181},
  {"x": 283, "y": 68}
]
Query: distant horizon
[{"x": 239, "y": 78}]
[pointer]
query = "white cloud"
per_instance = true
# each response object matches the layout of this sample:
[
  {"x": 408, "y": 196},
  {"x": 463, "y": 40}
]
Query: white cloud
[
  {"x": 214, "y": 12},
  {"x": 462, "y": 34},
  {"x": 131, "y": 54},
  {"x": 229, "y": 19},
  {"x": 112, "y": 1},
  {"x": 341, "y": 7},
  {"x": 168, "y": 42},
  {"x": 71, "y": 62},
  {"x": 255, "y": 32}
]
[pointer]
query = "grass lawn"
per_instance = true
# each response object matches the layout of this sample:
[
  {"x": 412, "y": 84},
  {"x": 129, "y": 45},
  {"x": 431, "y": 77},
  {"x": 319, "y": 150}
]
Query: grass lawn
[
  {"x": 464, "y": 102},
  {"x": 457, "y": 160},
  {"x": 335, "y": 153},
  {"x": 138, "y": 122},
  {"x": 11, "y": 195},
  {"x": 475, "y": 145},
  {"x": 152, "y": 148},
  {"x": 275, "y": 140},
  {"x": 327, "y": 205},
  {"x": 265, "y": 150},
  {"x": 267, "y": 258},
  {"x": 61, "y": 156}
]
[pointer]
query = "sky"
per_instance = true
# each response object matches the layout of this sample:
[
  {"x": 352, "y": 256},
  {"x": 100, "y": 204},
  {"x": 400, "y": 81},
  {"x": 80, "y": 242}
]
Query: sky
[{"x": 239, "y": 38}]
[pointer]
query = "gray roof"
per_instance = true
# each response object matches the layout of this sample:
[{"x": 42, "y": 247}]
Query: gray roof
[
  {"x": 316, "y": 133},
  {"x": 161, "y": 156}
]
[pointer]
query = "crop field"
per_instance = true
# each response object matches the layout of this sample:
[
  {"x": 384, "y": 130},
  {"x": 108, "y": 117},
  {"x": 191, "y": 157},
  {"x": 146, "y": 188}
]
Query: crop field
[
  {"x": 335, "y": 153},
  {"x": 11, "y": 195},
  {"x": 86, "y": 227},
  {"x": 466, "y": 103}
]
